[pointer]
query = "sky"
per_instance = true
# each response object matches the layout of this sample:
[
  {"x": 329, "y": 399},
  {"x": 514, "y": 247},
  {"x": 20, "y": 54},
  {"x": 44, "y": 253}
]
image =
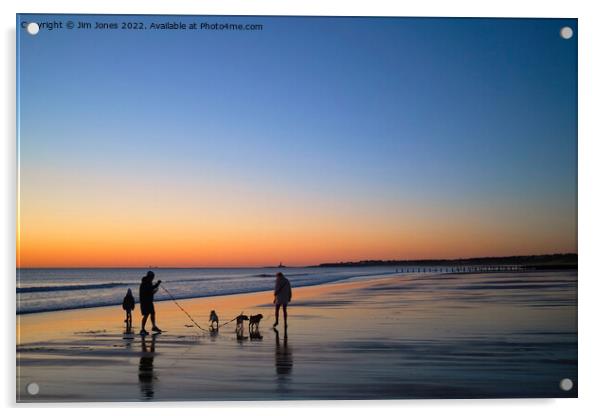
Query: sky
[{"x": 313, "y": 140}]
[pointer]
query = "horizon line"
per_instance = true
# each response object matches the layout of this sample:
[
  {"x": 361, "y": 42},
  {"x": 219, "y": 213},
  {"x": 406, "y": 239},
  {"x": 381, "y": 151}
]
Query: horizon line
[{"x": 301, "y": 266}]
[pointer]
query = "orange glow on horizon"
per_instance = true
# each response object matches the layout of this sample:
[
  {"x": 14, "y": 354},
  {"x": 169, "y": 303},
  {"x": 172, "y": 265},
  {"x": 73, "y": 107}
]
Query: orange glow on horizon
[
  {"x": 175, "y": 243},
  {"x": 118, "y": 225}
]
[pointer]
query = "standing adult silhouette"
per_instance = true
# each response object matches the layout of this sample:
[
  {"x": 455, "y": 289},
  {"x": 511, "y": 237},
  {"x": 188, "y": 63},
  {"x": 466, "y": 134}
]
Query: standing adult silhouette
[
  {"x": 282, "y": 296},
  {"x": 147, "y": 307}
]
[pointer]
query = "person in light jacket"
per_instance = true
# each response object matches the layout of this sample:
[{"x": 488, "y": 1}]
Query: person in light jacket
[{"x": 282, "y": 296}]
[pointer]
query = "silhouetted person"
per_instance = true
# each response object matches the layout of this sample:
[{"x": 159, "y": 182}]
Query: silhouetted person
[
  {"x": 282, "y": 296},
  {"x": 147, "y": 293},
  {"x": 128, "y": 306},
  {"x": 146, "y": 374}
]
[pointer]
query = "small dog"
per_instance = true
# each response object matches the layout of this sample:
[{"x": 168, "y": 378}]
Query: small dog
[
  {"x": 240, "y": 328},
  {"x": 213, "y": 319},
  {"x": 254, "y": 322},
  {"x": 240, "y": 319},
  {"x": 254, "y": 326}
]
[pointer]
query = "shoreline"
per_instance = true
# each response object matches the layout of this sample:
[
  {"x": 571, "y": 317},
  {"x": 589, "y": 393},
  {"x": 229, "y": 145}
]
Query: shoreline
[
  {"x": 167, "y": 306},
  {"x": 425, "y": 271},
  {"x": 118, "y": 303}
]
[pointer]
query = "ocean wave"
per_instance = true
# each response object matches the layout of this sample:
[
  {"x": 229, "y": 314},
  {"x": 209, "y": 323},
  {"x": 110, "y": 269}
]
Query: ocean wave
[
  {"x": 33, "y": 289},
  {"x": 110, "y": 285},
  {"x": 188, "y": 292}
]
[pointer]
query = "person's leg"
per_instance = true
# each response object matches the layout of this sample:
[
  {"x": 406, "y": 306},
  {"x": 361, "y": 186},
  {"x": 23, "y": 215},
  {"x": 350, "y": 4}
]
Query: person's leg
[
  {"x": 144, "y": 318},
  {"x": 155, "y": 327},
  {"x": 284, "y": 313},
  {"x": 277, "y": 313}
]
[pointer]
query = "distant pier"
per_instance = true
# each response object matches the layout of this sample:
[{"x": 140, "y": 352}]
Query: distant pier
[{"x": 463, "y": 269}]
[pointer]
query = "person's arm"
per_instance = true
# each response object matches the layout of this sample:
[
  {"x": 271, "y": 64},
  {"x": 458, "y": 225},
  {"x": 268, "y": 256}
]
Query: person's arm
[
  {"x": 156, "y": 286},
  {"x": 277, "y": 290},
  {"x": 289, "y": 291}
]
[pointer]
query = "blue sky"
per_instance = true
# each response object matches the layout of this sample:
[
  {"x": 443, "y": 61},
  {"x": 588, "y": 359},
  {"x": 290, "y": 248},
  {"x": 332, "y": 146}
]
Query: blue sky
[{"x": 428, "y": 112}]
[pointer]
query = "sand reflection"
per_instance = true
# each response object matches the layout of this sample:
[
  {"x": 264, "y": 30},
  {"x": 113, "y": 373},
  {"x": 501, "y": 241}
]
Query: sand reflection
[
  {"x": 283, "y": 361},
  {"x": 146, "y": 373}
]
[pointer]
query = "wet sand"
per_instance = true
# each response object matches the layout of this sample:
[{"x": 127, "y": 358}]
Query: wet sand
[{"x": 413, "y": 336}]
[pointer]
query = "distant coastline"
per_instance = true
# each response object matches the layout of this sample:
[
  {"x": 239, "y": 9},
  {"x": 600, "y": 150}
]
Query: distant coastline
[
  {"x": 543, "y": 261},
  {"x": 538, "y": 262}
]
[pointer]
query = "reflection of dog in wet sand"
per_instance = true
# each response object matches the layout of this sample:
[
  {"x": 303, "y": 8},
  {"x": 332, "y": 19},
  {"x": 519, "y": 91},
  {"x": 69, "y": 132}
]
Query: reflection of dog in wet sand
[
  {"x": 213, "y": 321},
  {"x": 240, "y": 327}
]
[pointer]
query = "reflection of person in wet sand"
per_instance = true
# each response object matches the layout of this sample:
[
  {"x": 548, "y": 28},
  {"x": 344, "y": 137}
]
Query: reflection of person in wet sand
[
  {"x": 284, "y": 355},
  {"x": 128, "y": 338},
  {"x": 146, "y": 374},
  {"x": 282, "y": 296}
]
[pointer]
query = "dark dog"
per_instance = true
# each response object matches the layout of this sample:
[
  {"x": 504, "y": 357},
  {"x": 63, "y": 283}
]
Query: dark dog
[
  {"x": 254, "y": 322},
  {"x": 240, "y": 328},
  {"x": 254, "y": 326},
  {"x": 213, "y": 319},
  {"x": 240, "y": 319}
]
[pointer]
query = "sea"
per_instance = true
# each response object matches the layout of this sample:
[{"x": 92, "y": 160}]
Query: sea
[{"x": 45, "y": 290}]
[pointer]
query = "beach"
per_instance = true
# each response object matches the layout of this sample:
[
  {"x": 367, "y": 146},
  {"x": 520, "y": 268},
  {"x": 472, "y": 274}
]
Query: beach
[{"x": 406, "y": 336}]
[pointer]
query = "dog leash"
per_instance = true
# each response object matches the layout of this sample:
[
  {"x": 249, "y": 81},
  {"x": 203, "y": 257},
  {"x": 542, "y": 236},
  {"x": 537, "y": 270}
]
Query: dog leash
[
  {"x": 183, "y": 310},
  {"x": 190, "y": 316},
  {"x": 231, "y": 320}
]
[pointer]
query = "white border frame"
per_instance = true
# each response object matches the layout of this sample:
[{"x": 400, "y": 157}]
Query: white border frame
[{"x": 590, "y": 201}]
